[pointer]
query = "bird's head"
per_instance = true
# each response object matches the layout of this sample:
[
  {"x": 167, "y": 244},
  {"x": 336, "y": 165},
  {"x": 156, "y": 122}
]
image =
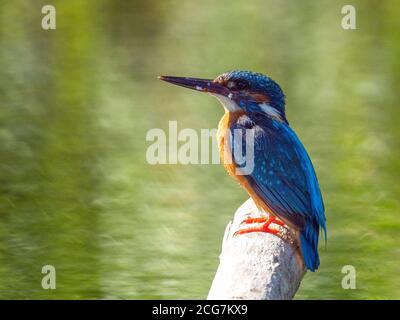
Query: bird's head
[{"x": 240, "y": 91}]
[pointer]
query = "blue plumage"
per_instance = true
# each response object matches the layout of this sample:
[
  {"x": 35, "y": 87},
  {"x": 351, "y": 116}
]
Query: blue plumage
[{"x": 283, "y": 176}]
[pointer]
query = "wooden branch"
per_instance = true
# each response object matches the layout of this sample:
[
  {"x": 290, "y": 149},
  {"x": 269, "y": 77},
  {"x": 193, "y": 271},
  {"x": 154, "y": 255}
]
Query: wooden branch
[{"x": 257, "y": 266}]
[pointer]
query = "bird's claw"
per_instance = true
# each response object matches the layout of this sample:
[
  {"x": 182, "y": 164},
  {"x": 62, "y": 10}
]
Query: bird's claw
[
  {"x": 253, "y": 220},
  {"x": 265, "y": 227}
]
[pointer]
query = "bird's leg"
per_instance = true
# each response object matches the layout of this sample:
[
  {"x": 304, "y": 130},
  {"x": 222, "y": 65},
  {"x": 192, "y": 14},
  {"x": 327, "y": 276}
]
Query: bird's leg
[{"x": 265, "y": 227}]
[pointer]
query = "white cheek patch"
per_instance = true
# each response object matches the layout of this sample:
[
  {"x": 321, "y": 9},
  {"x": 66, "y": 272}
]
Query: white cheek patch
[
  {"x": 270, "y": 110},
  {"x": 229, "y": 104}
]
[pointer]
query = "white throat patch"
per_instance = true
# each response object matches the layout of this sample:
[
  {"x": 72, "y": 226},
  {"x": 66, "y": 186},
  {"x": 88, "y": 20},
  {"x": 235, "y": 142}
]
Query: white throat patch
[{"x": 229, "y": 104}]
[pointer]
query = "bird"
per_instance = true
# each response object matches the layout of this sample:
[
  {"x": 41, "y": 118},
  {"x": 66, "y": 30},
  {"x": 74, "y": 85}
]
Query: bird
[{"x": 282, "y": 181}]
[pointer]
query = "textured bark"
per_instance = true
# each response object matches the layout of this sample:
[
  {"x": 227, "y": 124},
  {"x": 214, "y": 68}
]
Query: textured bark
[{"x": 257, "y": 265}]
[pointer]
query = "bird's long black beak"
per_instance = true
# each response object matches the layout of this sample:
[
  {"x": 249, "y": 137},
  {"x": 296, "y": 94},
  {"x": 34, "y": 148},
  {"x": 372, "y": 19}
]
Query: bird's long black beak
[{"x": 203, "y": 85}]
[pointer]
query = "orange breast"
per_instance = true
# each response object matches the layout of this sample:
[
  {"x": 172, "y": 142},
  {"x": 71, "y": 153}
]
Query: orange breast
[
  {"x": 226, "y": 157},
  {"x": 222, "y": 136}
]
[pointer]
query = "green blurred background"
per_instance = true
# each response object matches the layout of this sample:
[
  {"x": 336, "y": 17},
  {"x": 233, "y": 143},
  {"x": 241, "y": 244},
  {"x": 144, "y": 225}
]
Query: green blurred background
[{"x": 76, "y": 104}]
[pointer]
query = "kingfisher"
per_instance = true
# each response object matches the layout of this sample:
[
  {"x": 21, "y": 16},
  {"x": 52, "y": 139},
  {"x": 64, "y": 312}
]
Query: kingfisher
[{"x": 282, "y": 182}]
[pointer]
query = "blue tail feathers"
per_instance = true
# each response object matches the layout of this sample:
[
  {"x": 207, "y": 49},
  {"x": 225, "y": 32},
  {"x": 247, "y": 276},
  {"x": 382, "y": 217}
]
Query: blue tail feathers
[{"x": 309, "y": 245}]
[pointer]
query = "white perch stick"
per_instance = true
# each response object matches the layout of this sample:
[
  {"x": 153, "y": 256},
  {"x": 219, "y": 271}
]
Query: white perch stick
[{"x": 256, "y": 266}]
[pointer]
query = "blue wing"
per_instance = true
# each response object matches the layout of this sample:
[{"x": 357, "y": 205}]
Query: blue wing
[{"x": 283, "y": 175}]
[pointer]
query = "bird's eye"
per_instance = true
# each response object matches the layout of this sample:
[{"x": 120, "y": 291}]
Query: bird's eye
[
  {"x": 237, "y": 85},
  {"x": 241, "y": 84}
]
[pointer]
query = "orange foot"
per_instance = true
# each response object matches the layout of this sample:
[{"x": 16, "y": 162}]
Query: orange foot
[{"x": 265, "y": 227}]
